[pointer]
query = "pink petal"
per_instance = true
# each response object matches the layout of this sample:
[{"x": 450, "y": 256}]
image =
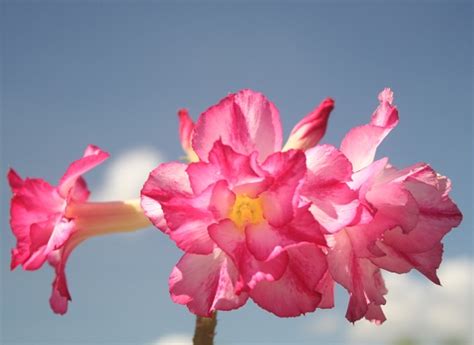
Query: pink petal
[
  {"x": 163, "y": 183},
  {"x": 14, "y": 180},
  {"x": 186, "y": 127},
  {"x": 232, "y": 241},
  {"x": 222, "y": 200},
  {"x": 246, "y": 121},
  {"x": 309, "y": 131},
  {"x": 326, "y": 289},
  {"x": 359, "y": 276},
  {"x": 224, "y": 164},
  {"x": 206, "y": 283},
  {"x": 60, "y": 295},
  {"x": 265, "y": 241},
  {"x": 295, "y": 292},
  {"x": 34, "y": 202},
  {"x": 335, "y": 205},
  {"x": 93, "y": 156},
  {"x": 287, "y": 170},
  {"x": 401, "y": 262},
  {"x": 360, "y": 144},
  {"x": 395, "y": 203}
]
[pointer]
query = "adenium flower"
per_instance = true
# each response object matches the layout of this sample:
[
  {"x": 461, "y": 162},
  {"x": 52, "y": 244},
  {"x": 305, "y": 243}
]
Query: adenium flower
[
  {"x": 50, "y": 221},
  {"x": 248, "y": 215}
]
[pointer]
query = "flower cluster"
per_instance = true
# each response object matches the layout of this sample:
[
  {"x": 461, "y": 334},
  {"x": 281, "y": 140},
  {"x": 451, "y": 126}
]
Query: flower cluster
[{"x": 279, "y": 224}]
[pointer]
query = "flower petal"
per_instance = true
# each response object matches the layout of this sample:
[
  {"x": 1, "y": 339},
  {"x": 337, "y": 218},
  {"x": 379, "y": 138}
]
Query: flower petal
[
  {"x": 295, "y": 292},
  {"x": 360, "y": 144},
  {"x": 287, "y": 170},
  {"x": 246, "y": 121},
  {"x": 206, "y": 283},
  {"x": 93, "y": 156}
]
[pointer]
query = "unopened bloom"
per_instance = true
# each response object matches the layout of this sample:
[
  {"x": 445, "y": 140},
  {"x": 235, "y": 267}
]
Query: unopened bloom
[{"x": 50, "y": 221}]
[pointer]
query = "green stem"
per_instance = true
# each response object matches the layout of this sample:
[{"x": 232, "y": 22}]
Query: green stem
[{"x": 205, "y": 330}]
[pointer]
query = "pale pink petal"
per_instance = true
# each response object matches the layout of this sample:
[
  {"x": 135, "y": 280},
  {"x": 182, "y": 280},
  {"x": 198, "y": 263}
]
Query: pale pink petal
[
  {"x": 360, "y": 144},
  {"x": 295, "y": 292},
  {"x": 246, "y": 121},
  {"x": 79, "y": 192},
  {"x": 93, "y": 156},
  {"x": 287, "y": 170},
  {"x": 401, "y": 262},
  {"x": 335, "y": 205},
  {"x": 395, "y": 203},
  {"x": 309, "y": 131},
  {"x": 206, "y": 283},
  {"x": 327, "y": 165}
]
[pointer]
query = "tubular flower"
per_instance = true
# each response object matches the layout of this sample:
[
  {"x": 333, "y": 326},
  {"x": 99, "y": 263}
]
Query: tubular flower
[
  {"x": 410, "y": 212},
  {"x": 50, "y": 221},
  {"x": 282, "y": 226}
]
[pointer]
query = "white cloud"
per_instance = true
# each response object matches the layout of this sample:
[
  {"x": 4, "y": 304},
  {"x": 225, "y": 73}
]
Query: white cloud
[
  {"x": 174, "y": 339},
  {"x": 126, "y": 174},
  {"x": 423, "y": 312}
]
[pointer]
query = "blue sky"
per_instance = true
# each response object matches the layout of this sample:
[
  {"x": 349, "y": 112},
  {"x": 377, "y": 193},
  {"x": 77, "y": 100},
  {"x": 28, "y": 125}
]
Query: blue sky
[{"x": 114, "y": 74}]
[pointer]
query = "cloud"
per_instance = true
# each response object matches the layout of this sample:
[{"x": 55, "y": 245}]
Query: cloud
[
  {"x": 422, "y": 312},
  {"x": 174, "y": 339},
  {"x": 126, "y": 174}
]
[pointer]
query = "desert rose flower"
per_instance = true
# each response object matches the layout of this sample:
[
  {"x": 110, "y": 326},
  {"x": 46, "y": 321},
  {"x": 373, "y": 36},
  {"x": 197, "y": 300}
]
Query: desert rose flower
[
  {"x": 410, "y": 210},
  {"x": 50, "y": 221},
  {"x": 247, "y": 215}
]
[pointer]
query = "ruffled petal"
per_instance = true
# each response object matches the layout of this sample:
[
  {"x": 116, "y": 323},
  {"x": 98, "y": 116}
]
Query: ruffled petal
[
  {"x": 295, "y": 292},
  {"x": 360, "y": 144},
  {"x": 224, "y": 164},
  {"x": 34, "y": 201},
  {"x": 163, "y": 183},
  {"x": 359, "y": 276},
  {"x": 287, "y": 170},
  {"x": 246, "y": 121},
  {"x": 93, "y": 156},
  {"x": 335, "y": 205},
  {"x": 205, "y": 283},
  {"x": 309, "y": 131},
  {"x": 232, "y": 241}
]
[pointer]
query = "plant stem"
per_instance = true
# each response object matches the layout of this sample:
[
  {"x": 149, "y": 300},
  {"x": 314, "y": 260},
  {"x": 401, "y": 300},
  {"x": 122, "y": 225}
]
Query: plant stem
[{"x": 205, "y": 330}]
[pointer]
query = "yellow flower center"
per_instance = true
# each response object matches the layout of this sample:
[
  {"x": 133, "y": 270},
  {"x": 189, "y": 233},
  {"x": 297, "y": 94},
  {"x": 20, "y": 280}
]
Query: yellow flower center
[{"x": 246, "y": 210}]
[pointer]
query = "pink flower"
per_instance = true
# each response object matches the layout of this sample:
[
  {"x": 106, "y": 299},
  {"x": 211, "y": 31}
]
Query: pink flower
[
  {"x": 39, "y": 220},
  {"x": 410, "y": 212},
  {"x": 49, "y": 222},
  {"x": 246, "y": 214}
]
